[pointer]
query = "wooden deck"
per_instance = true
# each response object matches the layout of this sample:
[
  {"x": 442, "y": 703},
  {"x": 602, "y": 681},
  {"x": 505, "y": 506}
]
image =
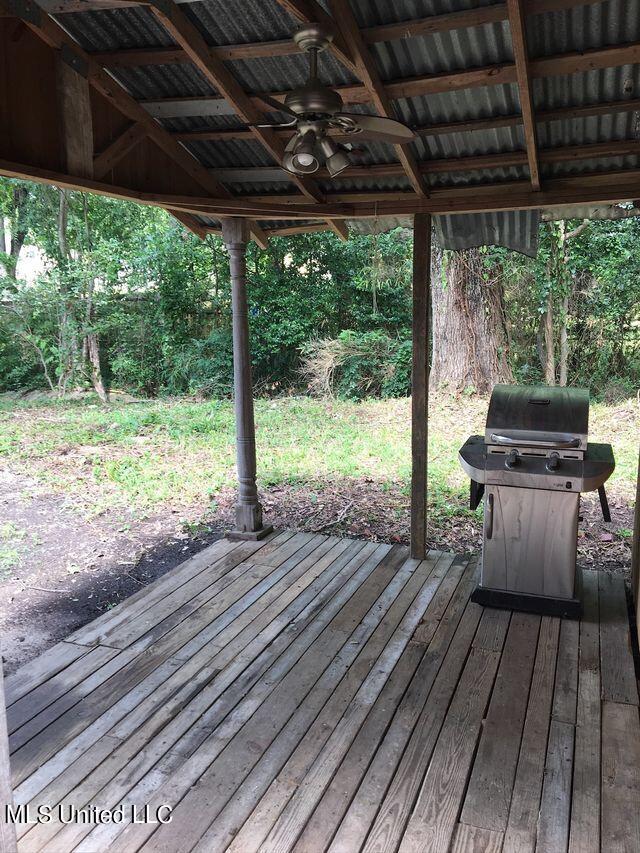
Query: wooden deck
[{"x": 310, "y": 693}]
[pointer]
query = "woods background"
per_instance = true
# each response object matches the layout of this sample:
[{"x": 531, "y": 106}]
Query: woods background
[{"x": 116, "y": 296}]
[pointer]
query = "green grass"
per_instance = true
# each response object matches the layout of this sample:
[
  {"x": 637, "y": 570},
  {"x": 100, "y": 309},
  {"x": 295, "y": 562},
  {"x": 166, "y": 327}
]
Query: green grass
[
  {"x": 11, "y": 546},
  {"x": 179, "y": 452}
]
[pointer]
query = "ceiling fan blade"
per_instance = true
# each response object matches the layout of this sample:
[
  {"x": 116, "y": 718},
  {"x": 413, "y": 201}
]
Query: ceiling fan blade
[
  {"x": 375, "y": 128},
  {"x": 270, "y": 124},
  {"x": 277, "y": 106}
]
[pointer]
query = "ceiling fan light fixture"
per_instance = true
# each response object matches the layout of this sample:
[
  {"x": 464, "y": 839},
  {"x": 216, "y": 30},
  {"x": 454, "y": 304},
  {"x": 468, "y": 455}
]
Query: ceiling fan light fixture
[
  {"x": 303, "y": 159},
  {"x": 337, "y": 159}
]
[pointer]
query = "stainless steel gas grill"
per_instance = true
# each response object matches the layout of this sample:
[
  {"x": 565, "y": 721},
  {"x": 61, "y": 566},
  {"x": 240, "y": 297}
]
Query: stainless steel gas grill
[{"x": 531, "y": 466}]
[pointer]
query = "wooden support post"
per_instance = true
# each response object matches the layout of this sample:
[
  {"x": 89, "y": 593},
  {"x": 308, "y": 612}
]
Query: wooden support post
[
  {"x": 420, "y": 382},
  {"x": 235, "y": 233},
  {"x": 75, "y": 115},
  {"x": 635, "y": 550},
  {"x": 8, "y": 842}
]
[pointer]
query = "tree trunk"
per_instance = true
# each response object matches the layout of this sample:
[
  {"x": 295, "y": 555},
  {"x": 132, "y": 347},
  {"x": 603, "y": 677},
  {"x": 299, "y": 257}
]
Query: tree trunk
[
  {"x": 470, "y": 331},
  {"x": 549, "y": 363},
  {"x": 567, "y": 288},
  {"x": 13, "y": 239},
  {"x": 564, "y": 342},
  {"x": 68, "y": 343},
  {"x": 91, "y": 345},
  {"x": 93, "y": 356}
]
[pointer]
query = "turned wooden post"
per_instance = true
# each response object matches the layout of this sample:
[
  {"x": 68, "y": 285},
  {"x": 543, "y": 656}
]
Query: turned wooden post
[
  {"x": 635, "y": 550},
  {"x": 420, "y": 382},
  {"x": 235, "y": 233},
  {"x": 7, "y": 830}
]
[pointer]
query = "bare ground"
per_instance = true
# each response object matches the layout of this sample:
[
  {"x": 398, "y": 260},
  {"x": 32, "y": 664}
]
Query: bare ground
[{"x": 70, "y": 569}]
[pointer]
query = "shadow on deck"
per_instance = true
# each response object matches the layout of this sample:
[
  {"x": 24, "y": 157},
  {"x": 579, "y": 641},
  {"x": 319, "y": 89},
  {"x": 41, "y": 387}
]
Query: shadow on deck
[{"x": 310, "y": 693}]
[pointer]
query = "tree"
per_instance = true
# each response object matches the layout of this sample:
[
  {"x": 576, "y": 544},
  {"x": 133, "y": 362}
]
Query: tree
[
  {"x": 14, "y": 206},
  {"x": 470, "y": 329}
]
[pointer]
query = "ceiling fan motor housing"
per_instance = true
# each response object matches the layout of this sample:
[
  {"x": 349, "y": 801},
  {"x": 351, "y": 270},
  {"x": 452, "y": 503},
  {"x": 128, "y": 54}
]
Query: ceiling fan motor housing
[{"x": 314, "y": 100}]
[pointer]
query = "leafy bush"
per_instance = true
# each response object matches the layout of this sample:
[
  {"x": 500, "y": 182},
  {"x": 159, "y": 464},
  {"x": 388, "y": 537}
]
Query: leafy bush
[
  {"x": 356, "y": 365},
  {"x": 204, "y": 368}
]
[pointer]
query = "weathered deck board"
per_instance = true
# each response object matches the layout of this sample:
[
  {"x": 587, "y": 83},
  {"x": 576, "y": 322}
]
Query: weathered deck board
[
  {"x": 584, "y": 834},
  {"x": 313, "y": 694},
  {"x": 618, "y": 674}
]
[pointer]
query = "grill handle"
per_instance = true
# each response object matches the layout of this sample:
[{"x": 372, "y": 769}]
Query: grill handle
[
  {"x": 499, "y": 438},
  {"x": 488, "y": 517}
]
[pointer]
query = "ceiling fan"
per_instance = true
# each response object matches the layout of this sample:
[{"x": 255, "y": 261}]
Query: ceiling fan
[{"x": 322, "y": 130}]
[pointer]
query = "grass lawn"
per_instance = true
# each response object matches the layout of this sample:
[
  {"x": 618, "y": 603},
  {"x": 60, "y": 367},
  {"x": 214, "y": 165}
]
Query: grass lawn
[
  {"x": 97, "y": 501},
  {"x": 180, "y": 453}
]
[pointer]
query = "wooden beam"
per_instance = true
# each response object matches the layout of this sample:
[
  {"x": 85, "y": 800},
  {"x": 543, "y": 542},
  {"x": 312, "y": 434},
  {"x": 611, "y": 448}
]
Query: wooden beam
[
  {"x": 448, "y": 21},
  {"x": 420, "y": 383},
  {"x": 134, "y": 57},
  {"x": 432, "y": 84},
  {"x": 413, "y": 28},
  {"x": 190, "y": 223},
  {"x": 635, "y": 549},
  {"x": 76, "y": 123},
  {"x": 479, "y": 162},
  {"x": 289, "y": 231},
  {"x": 116, "y": 150},
  {"x": 57, "y": 38},
  {"x": 340, "y": 229},
  {"x": 346, "y": 24},
  {"x": 592, "y": 188},
  {"x": 443, "y": 128},
  {"x": 297, "y": 229},
  {"x": 8, "y": 843},
  {"x": 309, "y": 11},
  {"x": 520, "y": 53},
  {"x": 214, "y": 70}
]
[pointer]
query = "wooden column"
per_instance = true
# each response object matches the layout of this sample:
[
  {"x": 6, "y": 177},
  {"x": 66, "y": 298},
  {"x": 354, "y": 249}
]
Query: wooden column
[
  {"x": 235, "y": 233},
  {"x": 420, "y": 382},
  {"x": 7, "y": 830},
  {"x": 74, "y": 104},
  {"x": 635, "y": 550}
]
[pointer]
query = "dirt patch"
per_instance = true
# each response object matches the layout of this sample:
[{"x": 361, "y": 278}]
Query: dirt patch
[
  {"x": 366, "y": 509},
  {"x": 59, "y": 570}
]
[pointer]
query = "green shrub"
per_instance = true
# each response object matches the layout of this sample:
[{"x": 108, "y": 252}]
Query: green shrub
[{"x": 356, "y": 365}]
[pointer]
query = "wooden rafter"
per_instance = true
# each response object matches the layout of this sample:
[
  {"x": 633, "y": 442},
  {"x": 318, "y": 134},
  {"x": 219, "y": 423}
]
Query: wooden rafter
[
  {"x": 189, "y": 221},
  {"x": 52, "y": 34},
  {"x": 598, "y": 188},
  {"x": 347, "y": 26},
  {"x": 291, "y": 230},
  {"x": 432, "y": 84},
  {"x": 520, "y": 54},
  {"x": 443, "y": 128},
  {"x": 309, "y": 11},
  {"x": 214, "y": 70},
  {"x": 560, "y": 154},
  {"x": 397, "y": 30},
  {"x": 119, "y": 148}
]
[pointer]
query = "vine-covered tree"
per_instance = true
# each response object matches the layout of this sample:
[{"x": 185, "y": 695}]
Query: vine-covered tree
[
  {"x": 123, "y": 297},
  {"x": 471, "y": 337}
]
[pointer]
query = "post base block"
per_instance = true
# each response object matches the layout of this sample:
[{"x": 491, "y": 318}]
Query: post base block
[{"x": 250, "y": 535}]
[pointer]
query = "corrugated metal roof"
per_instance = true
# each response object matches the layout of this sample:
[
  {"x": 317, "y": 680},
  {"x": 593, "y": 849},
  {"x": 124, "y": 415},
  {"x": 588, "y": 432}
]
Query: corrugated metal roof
[
  {"x": 516, "y": 229},
  {"x": 585, "y": 27}
]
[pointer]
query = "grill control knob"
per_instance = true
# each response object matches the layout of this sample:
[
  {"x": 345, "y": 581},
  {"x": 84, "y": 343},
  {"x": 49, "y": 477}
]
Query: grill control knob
[
  {"x": 553, "y": 462},
  {"x": 512, "y": 459}
]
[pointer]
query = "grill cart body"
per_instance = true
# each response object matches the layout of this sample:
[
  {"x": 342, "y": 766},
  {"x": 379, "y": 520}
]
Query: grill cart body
[{"x": 531, "y": 465}]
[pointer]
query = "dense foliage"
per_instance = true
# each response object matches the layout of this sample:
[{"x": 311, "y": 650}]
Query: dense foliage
[{"x": 122, "y": 295}]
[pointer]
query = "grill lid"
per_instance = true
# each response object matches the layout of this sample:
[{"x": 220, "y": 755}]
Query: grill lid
[{"x": 538, "y": 416}]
